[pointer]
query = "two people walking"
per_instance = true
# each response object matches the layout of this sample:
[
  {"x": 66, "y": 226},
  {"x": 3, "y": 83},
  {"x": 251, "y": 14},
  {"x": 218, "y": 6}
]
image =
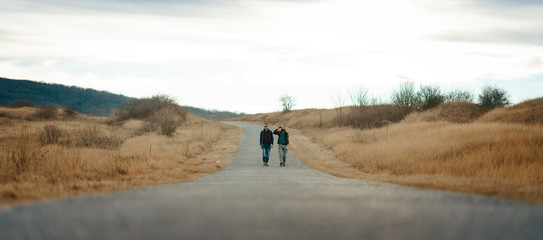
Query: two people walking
[{"x": 266, "y": 143}]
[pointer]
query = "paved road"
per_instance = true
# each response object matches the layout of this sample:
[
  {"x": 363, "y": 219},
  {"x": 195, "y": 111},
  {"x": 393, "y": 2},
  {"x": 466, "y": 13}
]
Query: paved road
[{"x": 248, "y": 201}]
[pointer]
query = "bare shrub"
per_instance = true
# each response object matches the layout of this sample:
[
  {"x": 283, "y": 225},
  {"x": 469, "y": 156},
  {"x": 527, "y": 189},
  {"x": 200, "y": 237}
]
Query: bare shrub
[
  {"x": 94, "y": 137},
  {"x": 50, "y": 134},
  {"x": 159, "y": 111},
  {"x": 169, "y": 118},
  {"x": 359, "y": 97},
  {"x": 135, "y": 109},
  {"x": 406, "y": 96},
  {"x": 376, "y": 116},
  {"x": 376, "y": 100},
  {"x": 144, "y": 108},
  {"x": 459, "y": 95},
  {"x": 46, "y": 112}
]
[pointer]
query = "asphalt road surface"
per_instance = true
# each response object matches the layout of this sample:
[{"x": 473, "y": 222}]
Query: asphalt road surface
[{"x": 248, "y": 201}]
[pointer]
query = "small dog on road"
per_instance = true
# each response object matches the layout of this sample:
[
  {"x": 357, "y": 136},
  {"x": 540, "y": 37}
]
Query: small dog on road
[{"x": 218, "y": 164}]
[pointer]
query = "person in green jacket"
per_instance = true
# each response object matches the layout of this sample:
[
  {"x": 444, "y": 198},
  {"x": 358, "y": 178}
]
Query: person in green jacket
[{"x": 282, "y": 142}]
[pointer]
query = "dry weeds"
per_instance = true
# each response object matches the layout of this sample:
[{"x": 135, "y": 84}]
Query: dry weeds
[{"x": 55, "y": 159}]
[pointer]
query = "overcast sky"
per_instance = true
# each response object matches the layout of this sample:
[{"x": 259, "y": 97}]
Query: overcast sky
[{"x": 241, "y": 55}]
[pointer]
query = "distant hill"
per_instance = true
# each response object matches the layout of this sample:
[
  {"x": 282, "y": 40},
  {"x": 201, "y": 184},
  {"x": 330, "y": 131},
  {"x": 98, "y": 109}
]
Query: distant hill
[
  {"x": 84, "y": 100},
  {"x": 213, "y": 114}
]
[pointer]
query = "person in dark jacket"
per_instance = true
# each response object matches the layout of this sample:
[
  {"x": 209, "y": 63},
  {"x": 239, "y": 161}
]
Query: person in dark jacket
[
  {"x": 266, "y": 143},
  {"x": 282, "y": 142}
]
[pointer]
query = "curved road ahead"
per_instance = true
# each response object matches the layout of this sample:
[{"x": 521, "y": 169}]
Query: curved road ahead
[{"x": 248, "y": 201}]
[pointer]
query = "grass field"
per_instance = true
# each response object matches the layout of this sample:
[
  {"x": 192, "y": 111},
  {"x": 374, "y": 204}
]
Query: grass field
[
  {"x": 80, "y": 155},
  {"x": 456, "y": 146}
]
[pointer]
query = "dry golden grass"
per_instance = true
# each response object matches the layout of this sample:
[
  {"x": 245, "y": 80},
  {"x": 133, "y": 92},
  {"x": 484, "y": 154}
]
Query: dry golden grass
[
  {"x": 493, "y": 158},
  {"x": 527, "y": 112},
  {"x": 17, "y": 113},
  {"x": 505, "y": 159},
  {"x": 456, "y": 112},
  {"x": 308, "y": 118},
  {"x": 90, "y": 156}
]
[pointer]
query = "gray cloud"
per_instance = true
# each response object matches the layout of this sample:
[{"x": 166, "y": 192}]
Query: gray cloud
[
  {"x": 494, "y": 36},
  {"x": 159, "y": 7},
  {"x": 510, "y": 3},
  {"x": 480, "y": 3},
  {"x": 156, "y": 7},
  {"x": 497, "y": 8},
  {"x": 504, "y": 21}
]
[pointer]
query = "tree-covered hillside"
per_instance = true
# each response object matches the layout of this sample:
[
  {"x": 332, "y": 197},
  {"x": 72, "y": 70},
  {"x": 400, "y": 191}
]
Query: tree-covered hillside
[
  {"x": 213, "y": 114},
  {"x": 87, "y": 101}
]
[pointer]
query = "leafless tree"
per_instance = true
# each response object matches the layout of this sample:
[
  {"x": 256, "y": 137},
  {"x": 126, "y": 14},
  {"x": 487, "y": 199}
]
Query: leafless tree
[
  {"x": 359, "y": 97},
  {"x": 406, "y": 96},
  {"x": 458, "y": 95},
  {"x": 287, "y": 101},
  {"x": 339, "y": 102}
]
